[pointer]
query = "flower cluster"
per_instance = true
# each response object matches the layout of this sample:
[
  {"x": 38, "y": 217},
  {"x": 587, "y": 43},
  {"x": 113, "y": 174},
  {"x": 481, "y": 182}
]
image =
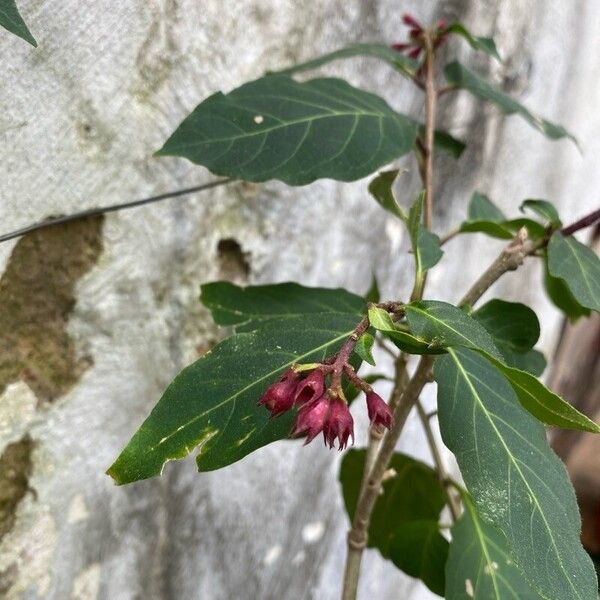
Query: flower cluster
[
  {"x": 416, "y": 43},
  {"x": 321, "y": 408}
]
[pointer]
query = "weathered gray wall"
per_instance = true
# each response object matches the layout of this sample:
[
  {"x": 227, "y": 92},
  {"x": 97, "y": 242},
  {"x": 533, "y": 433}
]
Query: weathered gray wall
[{"x": 97, "y": 318}]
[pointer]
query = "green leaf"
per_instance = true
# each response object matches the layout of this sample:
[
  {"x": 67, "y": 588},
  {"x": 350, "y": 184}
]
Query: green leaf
[
  {"x": 542, "y": 403},
  {"x": 545, "y": 209},
  {"x": 483, "y": 216},
  {"x": 381, "y": 189},
  {"x": 277, "y": 128},
  {"x": 364, "y": 347},
  {"x": 534, "y": 229},
  {"x": 578, "y": 266},
  {"x": 11, "y": 20},
  {"x": 406, "y": 341},
  {"x": 412, "y": 494},
  {"x": 396, "y": 59},
  {"x": 518, "y": 484},
  {"x": 446, "y": 325},
  {"x": 484, "y": 44},
  {"x": 425, "y": 245},
  {"x": 212, "y": 403},
  {"x": 561, "y": 296},
  {"x": 460, "y": 76},
  {"x": 513, "y": 326},
  {"x": 247, "y": 308},
  {"x": 418, "y": 549},
  {"x": 480, "y": 565}
]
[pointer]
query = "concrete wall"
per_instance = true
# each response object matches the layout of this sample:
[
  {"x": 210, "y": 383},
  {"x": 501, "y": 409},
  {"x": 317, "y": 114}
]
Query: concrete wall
[{"x": 97, "y": 317}]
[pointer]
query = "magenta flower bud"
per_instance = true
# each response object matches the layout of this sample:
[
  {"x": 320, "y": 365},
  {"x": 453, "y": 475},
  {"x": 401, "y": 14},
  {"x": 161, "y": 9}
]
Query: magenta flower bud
[
  {"x": 311, "y": 388},
  {"x": 400, "y": 47},
  {"x": 311, "y": 418},
  {"x": 279, "y": 397},
  {"x": 441, "y": 24},
  {"x": 414, "y": 53},
  {"x": 339, "y": 424},
  {"x": 411, "y": 22},
  {"x": 379, "y": 411}
]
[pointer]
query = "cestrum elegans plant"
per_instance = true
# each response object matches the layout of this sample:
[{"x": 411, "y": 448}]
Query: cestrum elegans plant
[{"x": 290, "y": 367}]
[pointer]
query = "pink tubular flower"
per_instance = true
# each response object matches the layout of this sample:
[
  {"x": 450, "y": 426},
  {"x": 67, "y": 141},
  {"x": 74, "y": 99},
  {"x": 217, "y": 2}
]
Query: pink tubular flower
[
  {"x": 279, "y": 397},
  {"x": 311, "y": 418},
  {"x": 379, "y": 411},
  {"x": 411, "y": 22},
  {"x": 339, "y": 424},
  {"x": 310, "y": 388}
]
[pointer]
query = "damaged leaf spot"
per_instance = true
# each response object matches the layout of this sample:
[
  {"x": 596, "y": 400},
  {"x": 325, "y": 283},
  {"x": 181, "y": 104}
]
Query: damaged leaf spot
[{"x": 37, "y": 295}]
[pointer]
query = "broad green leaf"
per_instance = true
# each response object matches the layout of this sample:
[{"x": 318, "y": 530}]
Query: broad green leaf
[
  {"x": 518, "y": 484},
  {"x": 381, "y": 189},
  {"x": 496, "y": 230},
  {"x": 212, "y": 403},
  {"x": 484, "y": 44},
  {"x": 364, "y": 347},
  {"x": 425, "y": 245},
  {"x": 373, "y": 294},
  {"x": 278, "y": 128},
  {"x": 11, "y": 20},
  {"x": 396, "y": 59},
  {"x": 413, "y": 493},
  {"x": 418, "y": 549},
  {"x": 545, "y": 209},
  {"x": 542, "y": 403},
  {"x": 406, "y": 341},
  {"x": 578, "y": 266},
  {"x": 446, "y": 325},
  {"x": 534, "y": 229},
  {"x": 460, "y": 76},
  {"x": 561, "y": 296},
  {"x": 515, "y": 329},
  {"x": 480, "y": 565},
  {"x": 247, "y": 308},
  {"x": 513, "y": 325}
]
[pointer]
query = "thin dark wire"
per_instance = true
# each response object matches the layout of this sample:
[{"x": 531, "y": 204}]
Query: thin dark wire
[{"x": 92, "y": 212}]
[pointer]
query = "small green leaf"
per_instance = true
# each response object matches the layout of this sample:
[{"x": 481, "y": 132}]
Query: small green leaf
[
  {"x": 545, "y": 209},
  {"x": 481, "y": 208},
  {"x": 413, "y": 493},
  {"x": 373, "y": 294},
  {"x": 484, "y": 44},
  {"x": 561, "y": 296},
  {"x": 446, "y": 325},
  {"x": 483, "y": 216},
  {"x": 396, "y": 59},
  {"x": 518, "y": 484},
  {"x": 381, "y": 189},
  {"x": 480, "y": 565},
  {"x": 247, "y": 308},
  {"x": 213, "y": 402},
  {"x": 277, "y": 128},
  {"x": 446, "y": 143},
  {"x": 578, "y": 266},
  {"x": 512, "y": 325},
  {"x": 418, "y": 549},
  {"x": 407, "y": 342},
  {"x": 11, "y": 20},
  {"x": 463, "y": 78},
  {"x": 364, "y": 347}
]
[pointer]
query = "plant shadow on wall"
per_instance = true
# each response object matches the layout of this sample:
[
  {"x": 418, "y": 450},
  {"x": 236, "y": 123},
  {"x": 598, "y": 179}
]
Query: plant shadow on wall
[{"x": 291, "y": 366}]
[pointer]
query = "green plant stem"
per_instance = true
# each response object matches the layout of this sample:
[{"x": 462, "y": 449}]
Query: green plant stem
[{"x": 430, "y": 109}]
